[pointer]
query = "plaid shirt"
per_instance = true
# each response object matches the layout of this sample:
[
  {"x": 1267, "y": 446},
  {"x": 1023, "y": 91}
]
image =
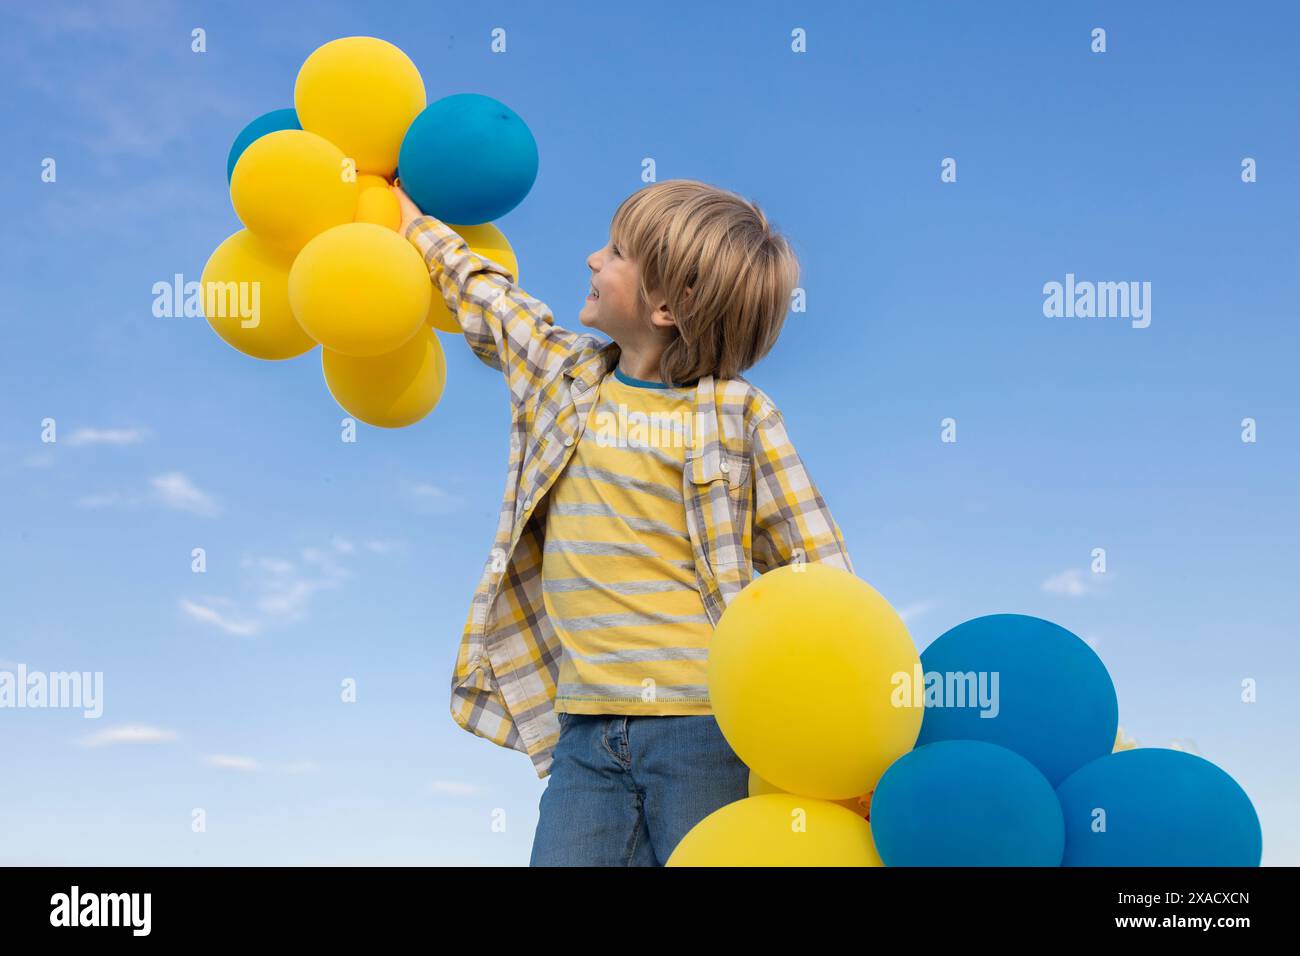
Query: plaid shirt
[{"x": 750, "y": 504}]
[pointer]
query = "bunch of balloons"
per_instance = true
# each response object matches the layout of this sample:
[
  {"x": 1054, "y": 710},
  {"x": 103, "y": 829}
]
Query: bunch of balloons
[
  {"x": 800, "y": 670},
  {"x": 320, "y": 260},
  {"x": 999, "y": 746}
]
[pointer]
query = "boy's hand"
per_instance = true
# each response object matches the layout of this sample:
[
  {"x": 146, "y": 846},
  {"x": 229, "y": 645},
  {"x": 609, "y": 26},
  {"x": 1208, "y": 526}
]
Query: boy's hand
[{"x": 410, "y": 211}]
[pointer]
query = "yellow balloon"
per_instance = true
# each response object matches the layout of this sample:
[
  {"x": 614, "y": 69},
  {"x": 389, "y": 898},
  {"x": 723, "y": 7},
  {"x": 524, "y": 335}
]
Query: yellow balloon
[
  {"x": 802, "y": 679},
  {"x": 360, "y": 289},
  {"x": 484, "y": 240},
  {"x": 379, "y": 205},
  {"x": 366, "y": 180},
  {"x": 246, "y": 298},
  {"x": 391, "y": 390},
  {"x": 778, "y": 829},
  {"x": 289, "y": 186},
  {"x": 861, "y": 805},
  {"x": 361, "y": 93}
]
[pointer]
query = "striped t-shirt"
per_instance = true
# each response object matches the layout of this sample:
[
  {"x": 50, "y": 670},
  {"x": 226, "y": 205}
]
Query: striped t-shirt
[{"x": 618, "y": 576}]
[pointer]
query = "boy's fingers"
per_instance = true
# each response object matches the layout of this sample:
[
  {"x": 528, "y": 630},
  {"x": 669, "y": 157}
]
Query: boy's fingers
[
  {"x": 405, "y": 205},
  {"x": 404, "y": 201}
]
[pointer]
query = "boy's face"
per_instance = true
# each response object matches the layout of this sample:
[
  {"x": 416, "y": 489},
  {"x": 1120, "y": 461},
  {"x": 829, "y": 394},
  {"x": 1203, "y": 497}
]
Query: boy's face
[{"x": 616, "y": 307}]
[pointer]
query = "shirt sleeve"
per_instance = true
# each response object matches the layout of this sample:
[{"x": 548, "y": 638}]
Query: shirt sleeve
[
  {"x": 791, "y": 521},
  {"x": 505, "y": 327}
]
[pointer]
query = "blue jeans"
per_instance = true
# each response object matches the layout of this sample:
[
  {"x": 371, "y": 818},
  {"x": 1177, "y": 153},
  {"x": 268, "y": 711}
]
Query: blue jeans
[{"x": 623, "y": 791}]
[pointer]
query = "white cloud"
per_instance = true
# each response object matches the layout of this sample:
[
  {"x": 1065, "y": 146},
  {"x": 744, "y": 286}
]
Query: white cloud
[
  {"x": 273, "y": 565},
  {"x": 129, "y": 734},
  {"x": 176, "y": 491},
  {"x": 315, "y": 555},
  {"x": 290, "y": 600},
  {"x": 425, "y": 490},
  {"x": 20, "y": 454},
  {"x": 106, "y": 436},
  {"x": 431, "y": 500},
  {"x": 455, "y": 788},
  {"x": 210, "y": 615},
  {"x": 912, "y": 611},
  {"x": 1069, "y": 582},
  {"x": 230, "y": 762},
  {"x": 106, "y": 499},
  {"x": 130, "y": 50},
  {"x": 1075, "y": 582},
  {"x": 279, "y": 590},
  {"x": 172, "y": 490}
]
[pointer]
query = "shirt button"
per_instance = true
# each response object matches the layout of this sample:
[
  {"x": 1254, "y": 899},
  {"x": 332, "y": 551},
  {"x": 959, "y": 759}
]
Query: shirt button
[
  {"x": 528, "y": 503},
  {"x": 724, "y": 466},
  {"x": 568, "y": 440}
]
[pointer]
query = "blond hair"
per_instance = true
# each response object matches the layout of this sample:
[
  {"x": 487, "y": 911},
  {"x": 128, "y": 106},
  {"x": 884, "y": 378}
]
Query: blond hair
[{"x": 725, "y": 273}]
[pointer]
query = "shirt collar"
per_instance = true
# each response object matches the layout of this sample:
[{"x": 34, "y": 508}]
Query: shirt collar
[
  {"x": 590, "y": 371},
  {"x": 594, "y": 367}
]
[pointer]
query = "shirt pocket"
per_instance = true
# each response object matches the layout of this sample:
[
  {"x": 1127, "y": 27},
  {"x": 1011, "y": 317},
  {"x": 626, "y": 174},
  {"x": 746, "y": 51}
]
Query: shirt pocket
[
  {"x": 737, "y": 472},
  {"x": 546, "y": 442},
  {"x": 719, "y": 478},
  {"x": 720, "y": 466}
]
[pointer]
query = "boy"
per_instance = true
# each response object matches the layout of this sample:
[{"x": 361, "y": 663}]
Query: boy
[{"x": 647, "y": 484}]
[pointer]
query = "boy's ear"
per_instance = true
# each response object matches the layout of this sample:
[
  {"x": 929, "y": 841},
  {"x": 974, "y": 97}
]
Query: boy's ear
[{"x": 662, "y": 317}]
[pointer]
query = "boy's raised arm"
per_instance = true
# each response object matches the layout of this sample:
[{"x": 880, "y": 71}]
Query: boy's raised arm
[
  {"x": 791, "y": 521},
  {"x": 506, "y": 327}
]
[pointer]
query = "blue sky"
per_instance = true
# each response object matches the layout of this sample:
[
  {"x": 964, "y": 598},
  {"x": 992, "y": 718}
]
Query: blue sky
[{"x": 329, "y": 561}]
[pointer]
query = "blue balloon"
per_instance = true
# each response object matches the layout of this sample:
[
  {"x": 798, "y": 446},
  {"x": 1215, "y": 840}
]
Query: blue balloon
[
  {"x": 966, "y": 803},
  {"x": 468, "y": 159},
  {"x": 1047, "y": 694},
  {"x": 266, "y": 123},
  {"x": 1151, "y": 807}
]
